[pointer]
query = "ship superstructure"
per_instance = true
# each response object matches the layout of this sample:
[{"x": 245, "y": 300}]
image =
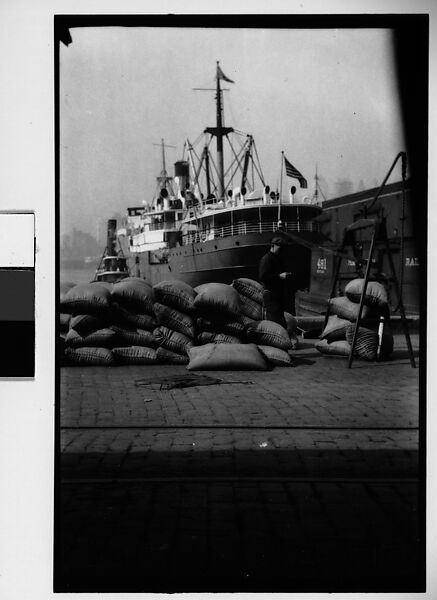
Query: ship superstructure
[{"x": 212, "y": 222}]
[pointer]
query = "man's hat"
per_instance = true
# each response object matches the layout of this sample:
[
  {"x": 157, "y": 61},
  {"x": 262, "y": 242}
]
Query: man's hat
[{"x": 278, "y": 241}]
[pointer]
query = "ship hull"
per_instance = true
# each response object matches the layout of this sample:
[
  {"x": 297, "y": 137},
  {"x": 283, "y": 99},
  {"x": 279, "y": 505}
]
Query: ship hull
[
  {"x": 222, "y": 260},
  {"x": 228, "y": 258}
]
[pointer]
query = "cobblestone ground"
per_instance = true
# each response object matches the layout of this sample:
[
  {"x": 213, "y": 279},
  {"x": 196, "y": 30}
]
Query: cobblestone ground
[{"x": 299, "y": 479}]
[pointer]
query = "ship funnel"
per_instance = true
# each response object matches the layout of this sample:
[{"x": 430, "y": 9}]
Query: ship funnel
[
  {"x": 111, "y": 237},
  {"x": 182, "y": 176}
]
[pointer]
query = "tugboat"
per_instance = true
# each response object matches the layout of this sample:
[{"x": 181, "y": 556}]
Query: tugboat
[
  {"x": 208, "y": 223},
  {"x": 113, "y": 264}
]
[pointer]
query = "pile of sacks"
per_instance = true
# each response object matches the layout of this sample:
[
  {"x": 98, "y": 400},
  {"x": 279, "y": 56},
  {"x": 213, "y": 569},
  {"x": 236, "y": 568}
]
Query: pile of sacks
[
  {"x": 110, "y": 323},
  {"x": 231, "y": 334},
  {"x": 212, "y": 326},
  {"x": 337, "y": 336},
  {"x": 174, "y": 311}
]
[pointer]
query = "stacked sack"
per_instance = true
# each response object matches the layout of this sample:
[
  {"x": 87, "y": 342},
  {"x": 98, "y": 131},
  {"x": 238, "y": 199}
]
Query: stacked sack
[
  {"x": 337, "y": 337},
  {"x": 251, "y": 301},
  {"x": 272, "y": 340},
  {"x": 219, "y": 319},
  {"x": 174, "y": 310},
  {"x": 220, "y": 335},
  {"x": 133, "y": 322},
  {"x": 89, "y": 339},
  {"x": 64, "y": 317},
  {"x": 216, "y": 325}
]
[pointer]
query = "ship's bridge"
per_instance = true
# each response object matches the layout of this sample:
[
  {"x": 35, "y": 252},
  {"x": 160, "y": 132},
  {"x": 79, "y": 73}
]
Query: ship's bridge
[{"x": 156, "y": 229}]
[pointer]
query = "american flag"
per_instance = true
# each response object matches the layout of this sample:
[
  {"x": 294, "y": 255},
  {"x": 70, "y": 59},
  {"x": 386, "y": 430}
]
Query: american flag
[{"x": 293, "y": 172}]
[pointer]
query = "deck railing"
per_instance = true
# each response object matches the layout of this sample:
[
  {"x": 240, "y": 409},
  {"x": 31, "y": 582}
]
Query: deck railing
[{"x": 244, "y": 227}]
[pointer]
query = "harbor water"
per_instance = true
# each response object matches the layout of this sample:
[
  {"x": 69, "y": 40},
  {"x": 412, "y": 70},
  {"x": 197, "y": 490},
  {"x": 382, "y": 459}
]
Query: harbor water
[{"x": 75, "y": 275}]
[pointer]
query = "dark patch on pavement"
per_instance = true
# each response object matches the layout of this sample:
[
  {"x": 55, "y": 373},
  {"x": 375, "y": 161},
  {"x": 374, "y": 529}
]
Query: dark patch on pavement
[
  {"x": 182, "y": 381},
  {"x": 297, "y": 361}
]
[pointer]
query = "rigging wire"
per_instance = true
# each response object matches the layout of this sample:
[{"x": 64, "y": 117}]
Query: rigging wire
[
  {"x": 237, "y": 159},
  {"x": 260, "y": 173}
]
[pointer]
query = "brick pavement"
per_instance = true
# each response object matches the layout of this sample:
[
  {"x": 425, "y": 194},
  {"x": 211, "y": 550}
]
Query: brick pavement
[{"x": 299, "y": 479}]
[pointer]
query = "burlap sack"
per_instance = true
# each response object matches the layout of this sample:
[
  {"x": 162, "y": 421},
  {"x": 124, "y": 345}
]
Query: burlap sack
[
  {"x": 250, "y": 308},
  {"x": 172, "y": 340},
  {"x": 338, "y": 348},
  {"x": 176, "y": 294},
  {"x": 268, "y": 333},
  {"x": 276, "y": 356},
  {"x": 249, "y": 288},
  {"x": 86, "y": 298},
  {"x": 86, "y": 324},
  {"x": 335, "y": 329},
  {"x": 208, "y": 337},
  {"x": 226, "y": 357},
  {"x": 135, "y": 294},
  {"x": 90, "y": 356},
  {"x": 291, "y": 322},
  {"x": 366, "y": 345},
  {"x": 222, "y": 324},
  {"x": 217, "y": 298},
  {"x": 346, "y": 309},
  {"x": 174, "y": 319},
  {"x": 122, "y": 316},
  {"x": 134, "y": 337},
  {"x": 376, "y": 294},
  {"x": 102, "y": 338},
  {"x": 135, "y": 355},
  {"x": 246, "y": 321},
  {"x": 166, "y": 357}
]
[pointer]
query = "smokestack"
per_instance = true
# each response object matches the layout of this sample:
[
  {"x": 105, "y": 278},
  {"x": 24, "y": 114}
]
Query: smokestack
[
  {"x": 182, "y": 175},
  {"x": 111, "y": 237}
]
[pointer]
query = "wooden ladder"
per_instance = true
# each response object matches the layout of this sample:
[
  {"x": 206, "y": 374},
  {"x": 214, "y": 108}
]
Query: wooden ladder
[{"x": 379, "y": 233}]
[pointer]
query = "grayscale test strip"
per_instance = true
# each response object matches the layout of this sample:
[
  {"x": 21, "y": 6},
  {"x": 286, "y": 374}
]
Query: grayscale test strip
[{"x": 17, "y": 294}]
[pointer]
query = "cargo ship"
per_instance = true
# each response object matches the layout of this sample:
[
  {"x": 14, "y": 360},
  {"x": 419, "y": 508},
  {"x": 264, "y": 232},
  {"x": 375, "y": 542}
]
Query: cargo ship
[
  {"x": 207, "y": 223},
  {"x": 211, "y": 223}
]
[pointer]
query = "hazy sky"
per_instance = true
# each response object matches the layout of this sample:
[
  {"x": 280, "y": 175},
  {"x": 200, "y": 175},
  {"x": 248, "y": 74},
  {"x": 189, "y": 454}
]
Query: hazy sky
[{"x": 325, "y": 97}]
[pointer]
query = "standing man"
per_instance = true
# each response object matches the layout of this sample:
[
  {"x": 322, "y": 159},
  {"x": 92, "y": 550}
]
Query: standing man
[{"x": 272, "y": 275}]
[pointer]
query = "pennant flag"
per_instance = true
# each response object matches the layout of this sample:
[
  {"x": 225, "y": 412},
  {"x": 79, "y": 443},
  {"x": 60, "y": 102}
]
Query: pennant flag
[
  {"x": 293, "y": 172},
  {"x": 221, "y": 75}
]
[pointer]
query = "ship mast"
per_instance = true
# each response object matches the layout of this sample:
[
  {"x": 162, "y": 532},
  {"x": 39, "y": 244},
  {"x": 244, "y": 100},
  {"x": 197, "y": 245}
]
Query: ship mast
[
  {"x": 317, "y": 189},
  {"x": 219, "y": 131},
  {"x": 164, "y": 181}
]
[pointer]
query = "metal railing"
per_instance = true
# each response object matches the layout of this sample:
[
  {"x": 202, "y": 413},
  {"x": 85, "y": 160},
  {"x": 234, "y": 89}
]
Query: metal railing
[{"x": 245, "y": 227}]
